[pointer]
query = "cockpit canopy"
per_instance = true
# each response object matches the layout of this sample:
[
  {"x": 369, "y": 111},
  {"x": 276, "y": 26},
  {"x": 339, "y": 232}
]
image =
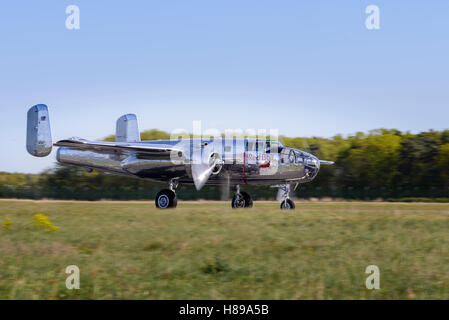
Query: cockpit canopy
[
  {"x": 289, "y": 155},
  {"x": 263, "y": 146},
  {"x": 286, "y": 155}
]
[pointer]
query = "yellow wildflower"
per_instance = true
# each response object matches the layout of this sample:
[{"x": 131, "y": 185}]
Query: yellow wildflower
[
  {"x": 7, "y": 223},
  {"x": 41, "y": 222}
]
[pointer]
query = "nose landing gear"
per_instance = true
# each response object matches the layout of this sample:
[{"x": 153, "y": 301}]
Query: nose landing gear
[
  {"x": 166, "y": 198},
  {"x": 287, "y": 203},
  {"x": 241, "y": 200}
]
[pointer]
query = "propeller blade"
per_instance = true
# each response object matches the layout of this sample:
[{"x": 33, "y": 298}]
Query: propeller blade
[
  {"x": 203, "y": 165},
  {"x": 201, "y": 173}
]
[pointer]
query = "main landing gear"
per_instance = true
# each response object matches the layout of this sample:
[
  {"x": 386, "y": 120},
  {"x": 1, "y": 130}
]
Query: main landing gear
[
  {"x": 241, "y": 200},
  {"x": 166, "y": 199},
  {"x": 287, "y": 203}
]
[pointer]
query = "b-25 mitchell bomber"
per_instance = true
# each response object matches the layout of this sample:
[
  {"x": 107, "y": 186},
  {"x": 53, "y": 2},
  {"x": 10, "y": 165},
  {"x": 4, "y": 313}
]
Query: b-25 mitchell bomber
[{"x": 214, "y": 161}]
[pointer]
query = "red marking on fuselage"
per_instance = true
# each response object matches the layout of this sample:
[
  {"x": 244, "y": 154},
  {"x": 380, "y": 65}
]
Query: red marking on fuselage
[{"x": 265, "y": 165}]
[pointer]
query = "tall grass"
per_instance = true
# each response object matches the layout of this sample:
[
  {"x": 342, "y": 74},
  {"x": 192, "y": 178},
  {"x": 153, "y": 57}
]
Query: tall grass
[{"x": 209, "y": 251}]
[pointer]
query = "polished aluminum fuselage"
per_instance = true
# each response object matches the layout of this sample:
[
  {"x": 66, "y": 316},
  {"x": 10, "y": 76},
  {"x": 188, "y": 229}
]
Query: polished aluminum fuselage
[{"x": 242, "y": 162}]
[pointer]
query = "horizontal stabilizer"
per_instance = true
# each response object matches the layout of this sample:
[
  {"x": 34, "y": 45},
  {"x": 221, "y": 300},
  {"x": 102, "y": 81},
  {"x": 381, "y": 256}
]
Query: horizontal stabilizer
[{"x": 326, "y": 162}]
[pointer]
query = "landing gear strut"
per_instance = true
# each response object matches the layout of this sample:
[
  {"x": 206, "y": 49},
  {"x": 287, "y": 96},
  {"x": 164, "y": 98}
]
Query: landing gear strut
[
  {"x": 287, "y": 203},
  {"x": 166, "y": 198},
  {"x": 241, "y": 200}
]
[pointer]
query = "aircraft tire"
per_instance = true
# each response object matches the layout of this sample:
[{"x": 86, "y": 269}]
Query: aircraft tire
[
  {"x": 287, "y": 204},
  {"x": 242, "y": 200},
  {"x": 166, "y": 199}
]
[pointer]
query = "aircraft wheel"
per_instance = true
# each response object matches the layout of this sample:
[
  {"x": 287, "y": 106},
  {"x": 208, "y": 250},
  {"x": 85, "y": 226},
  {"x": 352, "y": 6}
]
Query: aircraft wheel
[
  {"x": 287, "y": 204},
  {"x": 166, "y": 199},
  {"x": 242, "y": 200}
]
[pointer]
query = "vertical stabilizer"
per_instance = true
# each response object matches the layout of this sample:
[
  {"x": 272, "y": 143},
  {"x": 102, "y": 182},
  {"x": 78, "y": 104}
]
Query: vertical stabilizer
[
  {"x": 39, "y": 142},
  {"x": 127, "y": 129}
]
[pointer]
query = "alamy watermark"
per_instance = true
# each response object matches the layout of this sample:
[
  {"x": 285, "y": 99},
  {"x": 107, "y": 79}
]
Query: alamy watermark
[
  {"x": 249, "y": 146},
  {"x": 372, "y": 22},
  {"x": 373, "y": 280},
  {"x": 73, "y": 280},
  {"x": 72, "y": 22}
]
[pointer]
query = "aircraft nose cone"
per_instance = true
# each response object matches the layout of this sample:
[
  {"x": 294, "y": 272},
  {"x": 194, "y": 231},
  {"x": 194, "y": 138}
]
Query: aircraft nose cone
[{"x": 313, "y": 162}]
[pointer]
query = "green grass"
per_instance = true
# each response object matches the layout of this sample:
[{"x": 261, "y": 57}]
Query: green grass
[{"x": 209, "y": 251}]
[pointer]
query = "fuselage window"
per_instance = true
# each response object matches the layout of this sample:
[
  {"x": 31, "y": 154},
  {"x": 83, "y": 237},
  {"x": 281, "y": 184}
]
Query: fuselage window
[
  {"x": 267, "y": 147},
  {"x": 284, "y": 155},
  {"x": 291, "y": 156},
  {"x": 260, "y": 146},
  {"x": 250, "y": 146},
  {"x": 274, "y": 147},
  {"x": 299, "y": 158}
]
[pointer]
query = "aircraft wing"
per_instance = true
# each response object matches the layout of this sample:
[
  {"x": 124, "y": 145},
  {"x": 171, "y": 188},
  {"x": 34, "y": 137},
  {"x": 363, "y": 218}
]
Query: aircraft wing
[{"x": 148, "y": 149}]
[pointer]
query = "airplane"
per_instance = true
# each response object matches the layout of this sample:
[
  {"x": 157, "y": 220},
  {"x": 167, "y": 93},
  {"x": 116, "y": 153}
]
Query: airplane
[{"x": 199, "y": 161}]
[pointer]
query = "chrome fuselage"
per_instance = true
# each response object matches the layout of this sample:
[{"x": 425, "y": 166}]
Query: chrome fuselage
[{"x": 245, "y": 161}]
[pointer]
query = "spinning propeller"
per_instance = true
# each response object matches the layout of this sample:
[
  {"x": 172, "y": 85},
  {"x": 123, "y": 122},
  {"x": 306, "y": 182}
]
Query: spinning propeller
[{"x": 205, "y": 163}]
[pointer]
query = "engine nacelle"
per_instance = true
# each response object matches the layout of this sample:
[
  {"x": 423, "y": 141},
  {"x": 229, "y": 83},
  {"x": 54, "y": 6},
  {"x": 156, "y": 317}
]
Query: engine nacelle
[{"x": 90, "y": 159}]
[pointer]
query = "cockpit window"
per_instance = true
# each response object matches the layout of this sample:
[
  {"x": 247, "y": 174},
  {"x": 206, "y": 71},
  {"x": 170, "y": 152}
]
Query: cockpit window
[
  {"x": 291, "y": 156},
  {"x": 299, "y": 157},
  {"x": 284, "y": 154}
]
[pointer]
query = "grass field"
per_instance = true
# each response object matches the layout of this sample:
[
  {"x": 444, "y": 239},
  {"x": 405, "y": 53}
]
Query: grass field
[{"x": 209, "y": 251}]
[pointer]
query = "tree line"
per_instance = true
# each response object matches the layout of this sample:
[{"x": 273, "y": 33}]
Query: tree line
[{"x": 380, "y": 164}]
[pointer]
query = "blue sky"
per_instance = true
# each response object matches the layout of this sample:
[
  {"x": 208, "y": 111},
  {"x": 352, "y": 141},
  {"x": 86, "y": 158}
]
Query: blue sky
[{"x": 307, "y": 68}]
